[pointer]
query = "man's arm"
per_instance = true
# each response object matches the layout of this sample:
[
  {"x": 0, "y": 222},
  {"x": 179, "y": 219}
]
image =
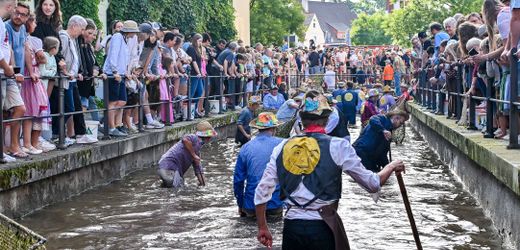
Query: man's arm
[{"x": 239, "y": 178}]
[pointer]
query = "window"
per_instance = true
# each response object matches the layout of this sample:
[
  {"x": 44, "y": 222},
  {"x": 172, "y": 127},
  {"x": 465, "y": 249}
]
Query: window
[{"x": 314, "y": 25}]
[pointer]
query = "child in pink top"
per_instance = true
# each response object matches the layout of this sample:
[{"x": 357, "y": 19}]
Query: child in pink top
[
  {"x": 166, "y": 69},
  {"x": 33, "y": 93}
]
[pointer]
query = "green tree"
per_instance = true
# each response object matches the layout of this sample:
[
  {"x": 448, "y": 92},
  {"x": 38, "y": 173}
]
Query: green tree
[
  {"x": 271, "y": 20},
  {"x": 402, "y": 24},
  {"x": 213, "y": 16},
  {"x": 84, "y": 8},
  {"x": 369, "y": 30}
]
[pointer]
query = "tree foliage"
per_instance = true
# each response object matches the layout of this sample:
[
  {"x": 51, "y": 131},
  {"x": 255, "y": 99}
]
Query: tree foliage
[
  {"x": 368, "y": 30},
  {"x": 271, "y": 20},
  {"x": 213, "y": 16},
  {"x": 367, "y": 6},
  {"x": 402, "y": 24},
  {"x": 84, "y": 8}
]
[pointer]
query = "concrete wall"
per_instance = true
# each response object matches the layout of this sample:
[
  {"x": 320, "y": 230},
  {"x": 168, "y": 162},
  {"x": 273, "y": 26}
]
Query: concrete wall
[
  {"x": 27, "y": 186},
  {"x": 488, "y": 171},
  {"x": 242, "y": 20}
]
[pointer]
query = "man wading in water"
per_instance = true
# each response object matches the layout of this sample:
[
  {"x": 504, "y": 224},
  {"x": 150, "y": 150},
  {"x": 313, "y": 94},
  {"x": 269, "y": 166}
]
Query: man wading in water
[
  {"x": 308, "y": 169},
  {"x": 174, "y": 163}
]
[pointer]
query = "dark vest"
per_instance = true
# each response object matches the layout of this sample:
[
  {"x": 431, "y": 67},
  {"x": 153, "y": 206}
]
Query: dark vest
[
  {"x": 324, "y": 182},
  {"x": 341, "y": 129}
]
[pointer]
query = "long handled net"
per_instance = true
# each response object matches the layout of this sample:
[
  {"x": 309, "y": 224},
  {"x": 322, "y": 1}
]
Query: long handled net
[{"x": 15, "y": 236}]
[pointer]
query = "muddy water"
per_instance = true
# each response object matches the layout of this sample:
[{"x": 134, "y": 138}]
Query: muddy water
[{"x": 136, "y": 214}]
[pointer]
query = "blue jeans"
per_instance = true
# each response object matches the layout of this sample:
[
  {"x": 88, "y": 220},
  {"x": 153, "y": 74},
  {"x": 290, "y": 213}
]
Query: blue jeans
[
  {"x": 397, "y": 83},
  {"x": 196, "y": 89}
]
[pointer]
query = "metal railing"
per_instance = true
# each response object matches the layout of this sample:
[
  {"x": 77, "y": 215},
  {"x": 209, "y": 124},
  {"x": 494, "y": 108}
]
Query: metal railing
[
  {"x": 433, "y": 97},
  {"x": 238, "y": 97}
]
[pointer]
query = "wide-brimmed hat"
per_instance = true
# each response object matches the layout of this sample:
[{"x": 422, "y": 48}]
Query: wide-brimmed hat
[
  {"x": 255, "y": 100},
  {"x": 330, "y": 99},
  {"x": 274, "y": 87},
  {"x": 342, "y": 84},
  {"x": 265, "y": 120},
  {"x": 400, "y": 112},
  {"x": 299, "y": 97},
  {"x": 387, "y": 89},
  {"x": 405, "y": 86},
  {"x": 373, "y": 92},
  {"x": 146, "y": 28},
  {"x": 130, "y": 26},
  {"x": 315, "y": 104},
  {"x": 204, "y": 129}
]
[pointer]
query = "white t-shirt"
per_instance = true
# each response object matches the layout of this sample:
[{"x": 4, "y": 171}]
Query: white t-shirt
[
  {"x": 342, "y": 56},
  {"x": 5, "y": 48},
  {"x": 330, "y": 79}
]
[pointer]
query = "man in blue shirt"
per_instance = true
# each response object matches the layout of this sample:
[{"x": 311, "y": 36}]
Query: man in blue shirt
[
  {"x": 17, "y": 34},
  {"x": 243, "y": 134},
  {"x": 288, "y": 110},
  {"x": 273, "y": 100},
  {"x": 439, "y": 36},
  {"x": 251, "y": 163},
  {"x": 373, "y": 143}
]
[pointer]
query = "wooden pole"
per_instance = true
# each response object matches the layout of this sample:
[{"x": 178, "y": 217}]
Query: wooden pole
[{"x": 407, "y": 206}]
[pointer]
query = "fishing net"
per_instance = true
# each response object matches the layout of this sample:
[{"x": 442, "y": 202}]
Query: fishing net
[
  {"x": 284, "y": 130},
  {"x": 399, "y": 134},
  {"x": 16, "y": 236}
]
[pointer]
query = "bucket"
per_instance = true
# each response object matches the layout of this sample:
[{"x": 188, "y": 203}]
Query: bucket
[
  {"x": 185, "y": 111},
  {"x": 214, "y": 106},
  {"x": 224, "y": 105},
  {"x": 92, "y": 128}
]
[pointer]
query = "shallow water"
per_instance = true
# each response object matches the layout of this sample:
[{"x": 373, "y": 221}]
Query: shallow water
[{"x": 136, "y": 213}]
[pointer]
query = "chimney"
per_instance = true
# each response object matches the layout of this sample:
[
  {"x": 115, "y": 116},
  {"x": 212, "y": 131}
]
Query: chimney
[{"x": 305, "y": 5}]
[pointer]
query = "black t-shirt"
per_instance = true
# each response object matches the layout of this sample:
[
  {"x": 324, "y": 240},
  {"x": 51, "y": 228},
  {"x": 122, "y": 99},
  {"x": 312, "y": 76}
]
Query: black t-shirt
[
  {"x": 428, "y": 43},
  {"x": 314, "y": 59},
  {"x": 196, "y": 58}
]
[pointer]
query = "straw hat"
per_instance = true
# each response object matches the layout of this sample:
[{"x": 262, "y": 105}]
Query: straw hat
[
  {"x": 387, "y": 89},
  {"x": 299, "y": 97},
  {"x": 373, "y": 92},
  {"x": 265, "y": 120},
  {"x": 400, "y": 112},
  {"x": 255, "y": 100},
  {"x": 342, "y": 84},
  {"x": 330, "y": 99},
  {"x": 204, "y": 129},
  {"x": 315, "y": 106},
  {"x": 130, "y": 27}
]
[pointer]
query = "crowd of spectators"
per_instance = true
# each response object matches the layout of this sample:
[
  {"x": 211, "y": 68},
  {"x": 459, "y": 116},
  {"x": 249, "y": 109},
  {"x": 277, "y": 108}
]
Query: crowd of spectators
[
  {"x": 160, "y": 68},
  {"x": 477, "y": 48}
]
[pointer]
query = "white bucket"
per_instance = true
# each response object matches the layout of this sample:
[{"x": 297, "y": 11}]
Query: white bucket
[
  {"x": 92, "y": 128},
  {"x": 214, "y": 106},
  {"x": 185, "y": 111},
  {"x": 224, "y": 105}
]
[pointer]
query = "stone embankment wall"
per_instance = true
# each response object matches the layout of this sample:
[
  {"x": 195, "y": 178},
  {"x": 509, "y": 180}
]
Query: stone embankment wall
[
  {"x": 489, "y": 171},
  {"x": 30, "y": 185}
]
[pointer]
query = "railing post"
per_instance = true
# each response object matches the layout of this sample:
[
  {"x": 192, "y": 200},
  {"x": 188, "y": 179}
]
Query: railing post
[
  {"x": 221, "y": 93},
  {"x": 243, "y": 84},
  {"x": 106, "y": 101},
  {"x": 423, "y": 88},
  {"x": 489, "y": 109},
  {"x": 167, "y": 112},
  {"x": 205, "y": 102},
  {"x": 458, "y": 100},
  {"x": 472, "y": 113},
  {"x": 141, "y": 91},
  {"x": 188, "y": 109},
  {"x": 61, "y": 108},
  {"x": 2, "y": 134},
  {"x": 513, "y": 113},
  {"x": 442, "y": 100}
]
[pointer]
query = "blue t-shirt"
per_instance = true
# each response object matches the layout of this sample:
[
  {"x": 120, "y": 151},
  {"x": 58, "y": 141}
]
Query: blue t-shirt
[
  {"x": 245, "y": 118},
  {"x": 17, "y": 40}
]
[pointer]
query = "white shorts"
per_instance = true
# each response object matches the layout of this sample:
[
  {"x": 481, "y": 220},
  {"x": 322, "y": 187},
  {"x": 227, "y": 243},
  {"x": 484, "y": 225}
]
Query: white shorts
[{"x": 13, "y": 98}]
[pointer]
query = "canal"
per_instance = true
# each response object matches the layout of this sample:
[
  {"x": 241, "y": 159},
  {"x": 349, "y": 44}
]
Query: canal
[{"x": 135, "y": 213}]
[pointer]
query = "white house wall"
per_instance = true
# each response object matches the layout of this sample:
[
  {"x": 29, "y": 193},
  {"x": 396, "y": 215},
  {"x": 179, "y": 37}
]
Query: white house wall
[{"x": 314, "y": 32}]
